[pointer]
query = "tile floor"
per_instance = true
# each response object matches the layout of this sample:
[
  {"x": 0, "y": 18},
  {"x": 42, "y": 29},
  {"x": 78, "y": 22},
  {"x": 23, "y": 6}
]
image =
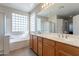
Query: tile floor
[{"x": 22, "y": 52}]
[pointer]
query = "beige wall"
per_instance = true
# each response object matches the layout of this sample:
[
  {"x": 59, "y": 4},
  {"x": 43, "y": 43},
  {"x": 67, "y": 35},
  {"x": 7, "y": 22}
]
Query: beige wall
[{"x": 8, "y": 11}]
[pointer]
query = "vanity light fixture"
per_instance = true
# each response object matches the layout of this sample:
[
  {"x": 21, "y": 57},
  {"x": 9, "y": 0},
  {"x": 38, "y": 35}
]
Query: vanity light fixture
[{"x": 46, "y": 5}]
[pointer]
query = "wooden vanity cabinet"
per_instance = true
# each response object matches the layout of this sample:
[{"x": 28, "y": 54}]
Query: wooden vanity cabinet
[
  {"x": 48, "y": 47},
  {"x": 34, "y": 43},
  {"x": 40, "y": 46},
  {"x": 66, "y": 50}
]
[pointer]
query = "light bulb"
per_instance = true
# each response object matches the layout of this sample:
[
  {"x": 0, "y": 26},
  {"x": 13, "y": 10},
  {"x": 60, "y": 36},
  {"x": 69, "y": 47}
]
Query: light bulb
[
  {"x": 42, "y": 6},
  {"x": 47, "y": 3}
]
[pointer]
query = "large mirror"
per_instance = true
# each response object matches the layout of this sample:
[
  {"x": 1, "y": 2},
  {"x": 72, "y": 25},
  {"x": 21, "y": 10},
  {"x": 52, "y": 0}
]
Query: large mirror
[{"x": 60, "y": 18}]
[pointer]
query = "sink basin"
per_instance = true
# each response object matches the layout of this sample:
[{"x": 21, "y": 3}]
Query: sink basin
[{"x": 70, "y": 39}]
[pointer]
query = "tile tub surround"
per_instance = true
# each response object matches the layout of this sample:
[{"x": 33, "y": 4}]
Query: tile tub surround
[
  {"x": 16, "y": 42},
  {"x": 19, "y": 45},
  {"x": 71, "y": 39}
]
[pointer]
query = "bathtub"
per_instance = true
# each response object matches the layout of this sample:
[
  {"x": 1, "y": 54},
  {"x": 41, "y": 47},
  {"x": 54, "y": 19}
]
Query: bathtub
[{"x": 17, "y": 42}]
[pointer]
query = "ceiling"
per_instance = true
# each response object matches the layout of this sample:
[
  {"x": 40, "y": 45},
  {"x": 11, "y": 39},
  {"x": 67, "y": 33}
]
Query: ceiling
[
  {"x": 27, "y": 7},
  {"x": 63, "y": 9}
]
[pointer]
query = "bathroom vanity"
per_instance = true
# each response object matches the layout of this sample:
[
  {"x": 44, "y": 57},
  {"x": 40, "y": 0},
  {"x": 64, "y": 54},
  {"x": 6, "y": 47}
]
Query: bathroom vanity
[{"x": 54, "y": 45}]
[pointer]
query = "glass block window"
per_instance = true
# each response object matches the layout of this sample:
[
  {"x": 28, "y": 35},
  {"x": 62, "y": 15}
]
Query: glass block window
[{"x": 19, "y": 23}]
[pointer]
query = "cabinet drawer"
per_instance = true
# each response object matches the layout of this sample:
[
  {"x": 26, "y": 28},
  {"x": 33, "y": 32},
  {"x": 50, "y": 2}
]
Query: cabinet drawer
[
  {"x": 34, "y": 37},
  {"x": 48, "y": 42},
  {"x": 67, "y": 49},
  {"x": 30, "y": 36}
]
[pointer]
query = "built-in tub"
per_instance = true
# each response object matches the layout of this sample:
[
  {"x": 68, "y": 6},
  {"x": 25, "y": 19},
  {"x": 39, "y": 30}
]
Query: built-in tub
[{"x": 17, "y": 42}]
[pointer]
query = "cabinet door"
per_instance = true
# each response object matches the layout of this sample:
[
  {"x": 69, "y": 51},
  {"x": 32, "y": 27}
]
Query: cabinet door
[
  {"x": 35, "y": 43},
  {"x": 61, "y": 53},
  {"x": 48, "y": 51},
  {"x": 48, "y": 47},
  {"x": 40, "y": 46},
  {"x": 67, "y": 49},
  {"x": 31, "y": 41},
  {"x": 40, "y": 50}
]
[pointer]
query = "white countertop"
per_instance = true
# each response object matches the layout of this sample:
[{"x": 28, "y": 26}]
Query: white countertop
[{"x": 54, "y": 36}]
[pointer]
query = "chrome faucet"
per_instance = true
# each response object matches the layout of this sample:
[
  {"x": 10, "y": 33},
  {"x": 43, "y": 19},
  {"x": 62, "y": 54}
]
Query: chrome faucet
[
  {"x": 66, "y": 36},
  {"x": 63, "y": 36}
]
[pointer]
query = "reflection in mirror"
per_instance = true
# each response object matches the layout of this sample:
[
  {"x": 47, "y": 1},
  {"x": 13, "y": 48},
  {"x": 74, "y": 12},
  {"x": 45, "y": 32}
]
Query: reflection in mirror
[{"x": 59, "y": 19}]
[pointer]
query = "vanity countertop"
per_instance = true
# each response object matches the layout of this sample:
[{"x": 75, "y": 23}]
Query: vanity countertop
[{"x": 54, "y": 36}]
